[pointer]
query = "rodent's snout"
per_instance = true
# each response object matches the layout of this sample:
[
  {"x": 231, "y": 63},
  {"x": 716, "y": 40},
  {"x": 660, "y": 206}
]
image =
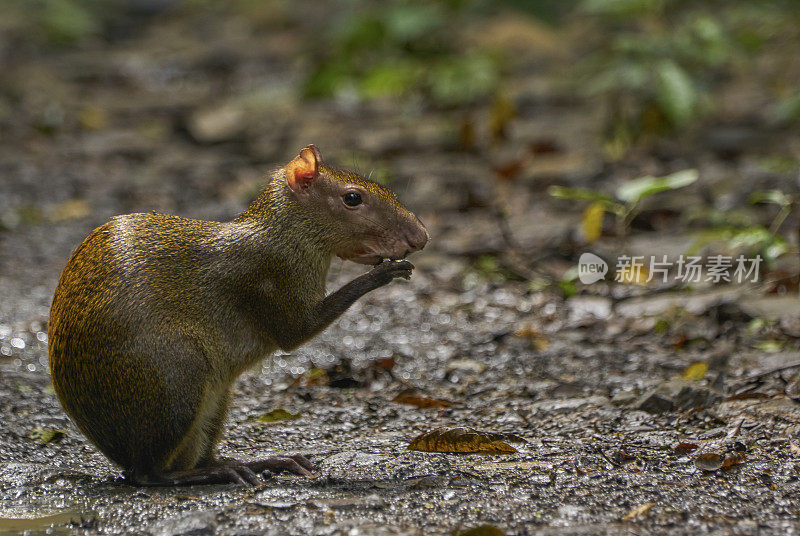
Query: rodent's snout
[{"x": 417, "y": 237}]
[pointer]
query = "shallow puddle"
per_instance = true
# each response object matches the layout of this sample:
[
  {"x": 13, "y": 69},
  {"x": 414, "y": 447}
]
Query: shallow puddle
[{"x": 34, "y": 523}]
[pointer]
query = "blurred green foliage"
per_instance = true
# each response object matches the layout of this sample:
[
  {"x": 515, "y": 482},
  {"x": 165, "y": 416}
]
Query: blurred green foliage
[
  {"x": 628, "y": 196},
  {"x": 657, "y": 62},
  {"x": 400, "y": 48},
  {"x": 57, "y": 22},
  {"x": 736, "y": 235}
]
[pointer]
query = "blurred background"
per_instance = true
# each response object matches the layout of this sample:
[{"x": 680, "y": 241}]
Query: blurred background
[{"x": 523, "y": 133}]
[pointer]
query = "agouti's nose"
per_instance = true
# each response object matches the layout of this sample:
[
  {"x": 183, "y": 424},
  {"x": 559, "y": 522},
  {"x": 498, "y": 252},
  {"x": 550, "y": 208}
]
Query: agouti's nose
[{"x": 418, "y": 237}]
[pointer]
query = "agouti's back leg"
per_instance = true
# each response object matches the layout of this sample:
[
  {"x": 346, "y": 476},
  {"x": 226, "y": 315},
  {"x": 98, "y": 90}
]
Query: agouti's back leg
[
  {"x": 194, "y": 460},
  {"x": 296, "y": 464},
  {"x": 214, "y": 427},
  {"x": 197, "y": 448}
]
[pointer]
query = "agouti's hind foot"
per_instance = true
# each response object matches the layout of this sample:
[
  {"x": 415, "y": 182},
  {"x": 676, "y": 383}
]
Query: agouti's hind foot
[
  {"x": 296, "y": 464},
  {"x": 222, "y": 474}
]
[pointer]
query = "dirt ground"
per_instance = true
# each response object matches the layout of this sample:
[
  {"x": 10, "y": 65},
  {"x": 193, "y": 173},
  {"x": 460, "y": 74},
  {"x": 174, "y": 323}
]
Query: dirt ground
[{"x": 621, "y": 437}]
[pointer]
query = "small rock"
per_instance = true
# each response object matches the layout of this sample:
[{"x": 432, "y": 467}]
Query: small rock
[
  {"x": 689, "y": 395},
  {"x": 653, "y": 402},
  {"x": 676, "y": 394}
]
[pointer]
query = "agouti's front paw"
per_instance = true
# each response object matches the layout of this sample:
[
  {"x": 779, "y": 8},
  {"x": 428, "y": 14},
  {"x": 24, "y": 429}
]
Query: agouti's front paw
[{"x": 388, "y": 270}]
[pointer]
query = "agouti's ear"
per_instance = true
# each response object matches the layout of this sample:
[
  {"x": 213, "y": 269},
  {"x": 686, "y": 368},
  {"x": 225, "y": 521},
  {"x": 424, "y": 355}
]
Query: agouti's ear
[{"x": 301, "y": 171}]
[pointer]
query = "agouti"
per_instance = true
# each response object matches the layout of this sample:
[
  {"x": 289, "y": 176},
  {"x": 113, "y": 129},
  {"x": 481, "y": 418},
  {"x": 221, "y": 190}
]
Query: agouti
[{"x": 155, "y": 316}]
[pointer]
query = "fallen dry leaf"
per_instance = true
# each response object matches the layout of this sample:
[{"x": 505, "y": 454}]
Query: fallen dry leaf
[
  {"x": 794, "y": 449},
  {"x": 640, "y": 510},
  {"x": 710, "y": 461},
  {"x": 747, "y": 396},
  {"x": 717, "y": 454},
  {"x": 733, "y": 458},
  {"x": 592, "y": 222},
  {"x": 714, "y": 461},
  {"x": 464, "y": 440},
  {"x": 682, "y": 449},
  {"x": 424, "y": 402}
]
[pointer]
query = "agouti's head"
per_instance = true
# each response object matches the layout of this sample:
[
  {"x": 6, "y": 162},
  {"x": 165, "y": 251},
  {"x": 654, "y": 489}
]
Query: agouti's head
[{"x": 363, "y": 221}]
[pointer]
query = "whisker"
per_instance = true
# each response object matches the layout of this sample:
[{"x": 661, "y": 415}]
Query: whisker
[{"x": 382, "y": 226}]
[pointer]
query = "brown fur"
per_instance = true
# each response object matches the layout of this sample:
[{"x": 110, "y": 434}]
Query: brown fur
[{"x": 155, "y": 316}]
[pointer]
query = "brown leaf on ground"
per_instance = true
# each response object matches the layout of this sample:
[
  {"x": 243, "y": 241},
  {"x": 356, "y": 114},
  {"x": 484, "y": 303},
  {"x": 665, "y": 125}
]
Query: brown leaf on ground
[
  {"x": 747, "y": 396},
  {"x": 718, "y": 454},
  {"x": 733, "y": 458},
  {"x": 710, "y": 461},
  {"x": 464, "y": 440},
  {"x": 681, "y": 449},
  {"x": 714, "y": 461},
  {"x": 410, "y": 398}
]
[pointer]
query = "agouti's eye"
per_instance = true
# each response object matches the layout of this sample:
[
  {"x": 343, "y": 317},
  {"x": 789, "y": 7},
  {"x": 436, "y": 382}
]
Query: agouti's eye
[{"x": 352, "y": 199}]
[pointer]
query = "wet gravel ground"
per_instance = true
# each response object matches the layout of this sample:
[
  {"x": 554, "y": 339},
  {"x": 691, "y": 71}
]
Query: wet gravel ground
[
  {"x": 589, "y": 382},
  {"x": 591, "y": 457}
]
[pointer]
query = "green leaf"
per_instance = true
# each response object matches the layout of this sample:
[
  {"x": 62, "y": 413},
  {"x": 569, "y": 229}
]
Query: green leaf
[
  {"x": 580, "y": 194},
  {"x": 754, "y": 239},
  {"x": 770, "y": 196},
  {"x": 567, "y": 282},
  {"x": 770, "y": 346},
  {"x": 772, "y": 245},
  {"x": 637, "y": 189},
  {"x": 676, "y": 93}
]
